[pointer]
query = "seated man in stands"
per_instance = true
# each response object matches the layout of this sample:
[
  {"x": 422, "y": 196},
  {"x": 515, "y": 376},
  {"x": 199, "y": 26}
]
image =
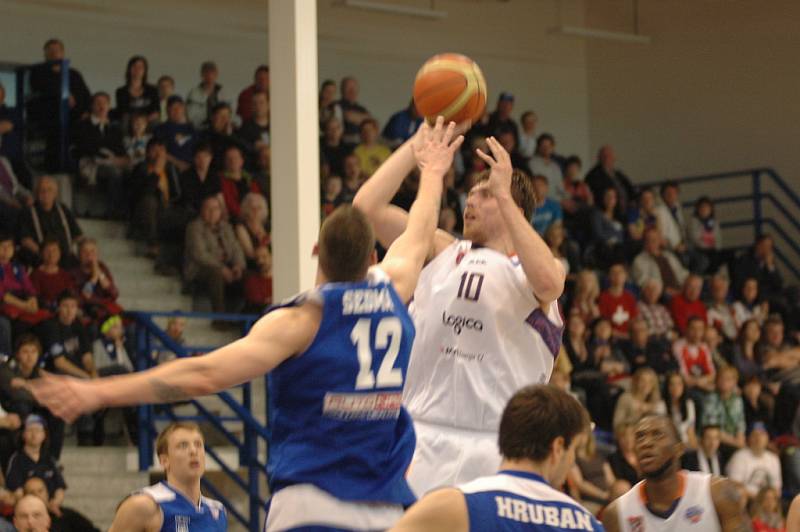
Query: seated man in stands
[
  {"x": 96, "y": 285},
  {"x": 31, "y": 460},
  {"x": 245, "y": 104},
  {"x": 30, "y": 515},
  {"x": 67, "y": 519},
  {"x": 654, "y": 262},
  {"x": 688, "y": 304},
  {"x": 47, "y": 218},
  {"x": 725, "y": 408},
  {"x": 254, "y": 131},
  {"x": 50, "y": 279},
  {"x": 236, "y": 182},
  {"x": 213, "y": 256},
  {"x": 68, "y": 347},
  {"x": 101, "y": 152},
  {"x": 219, "y": 132},
  {"x": 755, "y": 466},
  {"x": 178, "y": 135},
  {"x": 720, "y": 310},
  {"x": 198, "y": 182}
]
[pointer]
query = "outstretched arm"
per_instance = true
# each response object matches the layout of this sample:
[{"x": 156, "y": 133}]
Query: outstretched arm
[
  {"x": 544, "y": 272},
  {"x": 375, "y": 195},
  {"x": 406, "y": 256},
  {"x": 444, "y": 509},
  {"x": 728, "y": 503},
  {"x": 273, "y": 339},
  {"x": 137, "y": 513},
  {"x": 611, "y": 517}
]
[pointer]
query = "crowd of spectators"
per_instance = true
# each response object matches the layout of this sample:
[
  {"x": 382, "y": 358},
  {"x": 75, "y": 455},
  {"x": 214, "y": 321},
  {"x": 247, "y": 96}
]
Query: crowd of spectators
[{"x": 660, "y": 316}]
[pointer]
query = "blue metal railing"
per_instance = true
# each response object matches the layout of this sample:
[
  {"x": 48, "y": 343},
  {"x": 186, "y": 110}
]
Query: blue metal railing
[
  {"x": 759, "y": 198},
  {"x": 150, "y": 338}
]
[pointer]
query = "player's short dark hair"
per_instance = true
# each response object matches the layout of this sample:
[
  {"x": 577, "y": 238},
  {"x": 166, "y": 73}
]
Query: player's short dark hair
[
  {"x": 51, "y": 41},
  {"x": 543, "y": 137},
  {"x": 534, "y": 417},
  {"x": 521, "y": 190},
  {"x": 346, "y": 241},
  {"x": 667, "y": 421},
  {"x": 162, "y": 442}
]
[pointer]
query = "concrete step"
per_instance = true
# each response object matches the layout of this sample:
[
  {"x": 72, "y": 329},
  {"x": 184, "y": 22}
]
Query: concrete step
[
  {"x": 101, "y": 229},
  {"x": 148, "y": 285},
  {"x": 93, "y": 459},
  {"x": 114, "y": 247},
  {"x": 121, "y": 265},
  {"x": 166, "y": 303}
]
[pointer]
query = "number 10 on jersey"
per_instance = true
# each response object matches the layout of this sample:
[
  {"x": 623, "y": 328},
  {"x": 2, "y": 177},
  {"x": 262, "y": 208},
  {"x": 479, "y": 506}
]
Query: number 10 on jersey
[{"x": 388, "y": 333}]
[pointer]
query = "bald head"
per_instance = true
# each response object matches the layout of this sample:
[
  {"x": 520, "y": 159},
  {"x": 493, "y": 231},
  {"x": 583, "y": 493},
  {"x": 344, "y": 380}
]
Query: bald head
[
  {"x": 30, "y": 515},
  {"x": 606, "y": 156}
]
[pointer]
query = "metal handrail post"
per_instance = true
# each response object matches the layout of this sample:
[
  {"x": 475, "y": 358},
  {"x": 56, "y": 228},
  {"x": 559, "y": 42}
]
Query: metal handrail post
[{"x": 757, "y": 215}]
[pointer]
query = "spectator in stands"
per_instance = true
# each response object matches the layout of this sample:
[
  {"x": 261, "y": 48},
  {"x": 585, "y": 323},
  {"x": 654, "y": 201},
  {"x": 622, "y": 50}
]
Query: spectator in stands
[
  {"x": 584, "y": 297},
  {"x": 31, "y": 514},
  {"x": 749, "y": 305},
  {"x": 643, "y": 350},
  {"x": 135, "y": 142},
  {"x": 49, "y": 279},
  {"x": 703, "y": 233},
  {"x": 178, "y": 135},
  {"x": 556, "y": 239},
  {"x": 654, "y": 262},
  {"x": 98, "y": 293},
  {"x": 213, "y": 256},
  {"x": 688, "y": 304},
  {"x": 252, "y": 231},
  {"x": 527, "y": 137},
  {"x": 642, "y": 216},
  {"x": 759, "y": 263},
  {"x": 219, "y": 133},
  {"x": 775, "y": 352},
  {"x": 623, "y": 461},
  {"x": 245, "y": 103},
  {"x": 18, "y": 302},
  {"x": 766, "y": 513},
  {"x": 501, "y": 118},
  {"x": 331, "y": 195},
  {"x": 67, "y": 520},
  {"x": 401, "y": 126},
  {"x": 333, "y": 150},
  {"x": 155, "y": 214},
  {"x": 585, "y": 373},
  {"x": 758, "y": 404},
  {"x": 547, "y": 209},
  {"x": 13, "y": 196},
  {"x": 371, "y": 153},
  {"x": 694, "y": 358},
  {"x": 176, "y": 326},
  {"x": 31, "y": 460},
  {"x": 205, "y": 97},
  {"x": 616, "y": 303},
  {"x": 506, "y": 140},
  {"x": 542, "y": 163},
  {"x": 592, "y": 476},
  {"x": 353, "y": 178},
  {"x": 781, "y": 362},
  {"x": 10, "y": 134},
  {"x": 643, "y": 398},
  {"x": 166, "y": 88},
  {"x": 610, "y": 362},
  {"x": 719, "y": 311},
  {"x": 606, "y": 175},
  {"x": 198, "y": 182},
  {"x": 755, "y": 466},
  {"x": 327, "y": 97},
  {"x": 101, "y": 152},
  {"x": 680, "y": 408},
  {"x": 708, "y": 457},
  {"x": 658, "y": 319},
  {"x": 68, "y": 346},
  {"x": 254, "y": 132},
  {"x": 670, "y": 218},
  {"x": 577, "y": 195},
  {"x": 608, "y": 234},
  {"x": 349, "y": 112},
  {"x": 136, "y": 95},
  {"x": 14, "y": 377},
  {"x": 725, "y": 408},
  {"x": 112, "y": 358},
  {"x": 258, "y": 283},
  {"x": 236, "y": 182},
  {"x": 262, "y": 172}
]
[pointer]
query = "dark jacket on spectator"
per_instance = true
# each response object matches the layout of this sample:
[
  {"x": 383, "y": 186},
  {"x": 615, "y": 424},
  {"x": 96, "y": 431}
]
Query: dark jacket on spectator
[
  {"x": 599, "y": 180},
  {"x": 90, "y": 139}
]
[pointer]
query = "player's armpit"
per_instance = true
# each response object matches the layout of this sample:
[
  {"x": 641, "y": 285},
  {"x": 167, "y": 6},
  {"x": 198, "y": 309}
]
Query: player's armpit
[
  {"x": 137, "y": 513},
  {"x": 611, "y": 518},
  {"x": 443, "y": 509},
  {"x": 729, "y": 505}
]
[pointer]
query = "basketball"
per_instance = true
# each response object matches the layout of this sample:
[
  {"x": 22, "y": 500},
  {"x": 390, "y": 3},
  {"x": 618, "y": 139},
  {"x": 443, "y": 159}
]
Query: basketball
[{"x": 452, "y": 86}]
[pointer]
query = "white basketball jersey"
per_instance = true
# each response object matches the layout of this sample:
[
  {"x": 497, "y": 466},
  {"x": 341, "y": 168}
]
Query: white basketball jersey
[
  {"x": 481, "y": 336},
  {"x": 695, "y": 511}
]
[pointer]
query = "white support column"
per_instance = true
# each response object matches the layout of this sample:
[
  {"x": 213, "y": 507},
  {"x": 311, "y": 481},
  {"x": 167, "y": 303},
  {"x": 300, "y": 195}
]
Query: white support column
[{"x": 295, "y": 143}]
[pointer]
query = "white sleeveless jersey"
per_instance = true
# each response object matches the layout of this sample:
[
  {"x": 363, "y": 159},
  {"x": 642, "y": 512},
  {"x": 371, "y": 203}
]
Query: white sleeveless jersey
[
  {"x": 481, "y": 336},
  {"x": 695, "y": 511}
]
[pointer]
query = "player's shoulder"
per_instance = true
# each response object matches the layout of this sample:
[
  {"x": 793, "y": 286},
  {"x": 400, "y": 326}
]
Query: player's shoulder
[
  {"x": 610, "y": 517},
  {"x": 215, "y": 507}
]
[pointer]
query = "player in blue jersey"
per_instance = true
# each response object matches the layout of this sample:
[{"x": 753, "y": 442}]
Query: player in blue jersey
[
  {"x": 175, "y": 504},
  {"x": 341, "y": 441},
  {"x": 540, "y": 429}
]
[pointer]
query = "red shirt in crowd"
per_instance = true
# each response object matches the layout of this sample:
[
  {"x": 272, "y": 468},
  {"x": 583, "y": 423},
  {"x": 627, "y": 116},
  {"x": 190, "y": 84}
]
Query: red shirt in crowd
[
  {"x": 694, "y": 360},
  {"x": 234, "y": 192},
  {"x": 258, "y": 290},
  {"x": 619, "y": 309},
  {"x": 50, "y": 285},
  {"x": 682, "y": 309}
]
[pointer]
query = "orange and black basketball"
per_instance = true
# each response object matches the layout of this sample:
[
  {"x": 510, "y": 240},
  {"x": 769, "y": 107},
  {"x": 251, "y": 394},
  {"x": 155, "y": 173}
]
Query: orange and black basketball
[{"x": 452, "y": 86}]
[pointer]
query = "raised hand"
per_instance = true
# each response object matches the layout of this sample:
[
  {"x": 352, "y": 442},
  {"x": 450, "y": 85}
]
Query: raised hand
[
  {"x": 435, "y": 147},
  {"x": 66, "y": 397},
  {"x": 500, "y": 168}
]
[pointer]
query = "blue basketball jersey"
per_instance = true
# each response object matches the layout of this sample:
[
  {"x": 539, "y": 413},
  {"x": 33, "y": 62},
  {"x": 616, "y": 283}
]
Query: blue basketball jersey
[
  {"x": 336, "y": 416},
  {"x": 181, "y": 515},
  {"x": 516, "y": 501}
]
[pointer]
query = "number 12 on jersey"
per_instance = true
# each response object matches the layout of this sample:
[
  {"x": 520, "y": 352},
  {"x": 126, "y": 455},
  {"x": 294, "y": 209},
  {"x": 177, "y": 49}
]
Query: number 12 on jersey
[{"x": 388, "y": 333}]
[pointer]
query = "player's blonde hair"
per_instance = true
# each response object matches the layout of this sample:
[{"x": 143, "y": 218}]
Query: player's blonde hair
[
  {"x": 162, "y": 442},
  {"x": 346, "y": 242}
]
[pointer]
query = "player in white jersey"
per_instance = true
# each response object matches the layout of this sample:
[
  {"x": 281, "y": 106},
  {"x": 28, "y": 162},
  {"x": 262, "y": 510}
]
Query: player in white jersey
[
  {"x": 540, "y": 430},
  {"x": 485, "y": 312},
  {"x": 670, "y": 499}
]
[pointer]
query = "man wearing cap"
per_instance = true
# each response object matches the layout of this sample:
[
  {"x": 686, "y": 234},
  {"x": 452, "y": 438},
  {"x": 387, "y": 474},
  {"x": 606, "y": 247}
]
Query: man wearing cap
[
  {"x": 501, "y": 120},
  {"x": 755, "y": 466},
  {"x": 205, "y": 96},
  {"x": 178, "y": 135},
  {"x": 31, "y": 461}
]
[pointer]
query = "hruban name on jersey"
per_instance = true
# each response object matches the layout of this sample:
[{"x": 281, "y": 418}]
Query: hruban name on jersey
[
  {"x": 527, "y": 512},
  {"x": 366, "y": 301}
]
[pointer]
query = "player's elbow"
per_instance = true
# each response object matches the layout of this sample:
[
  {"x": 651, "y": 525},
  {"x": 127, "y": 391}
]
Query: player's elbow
[{"x": 549, "y": 287}]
